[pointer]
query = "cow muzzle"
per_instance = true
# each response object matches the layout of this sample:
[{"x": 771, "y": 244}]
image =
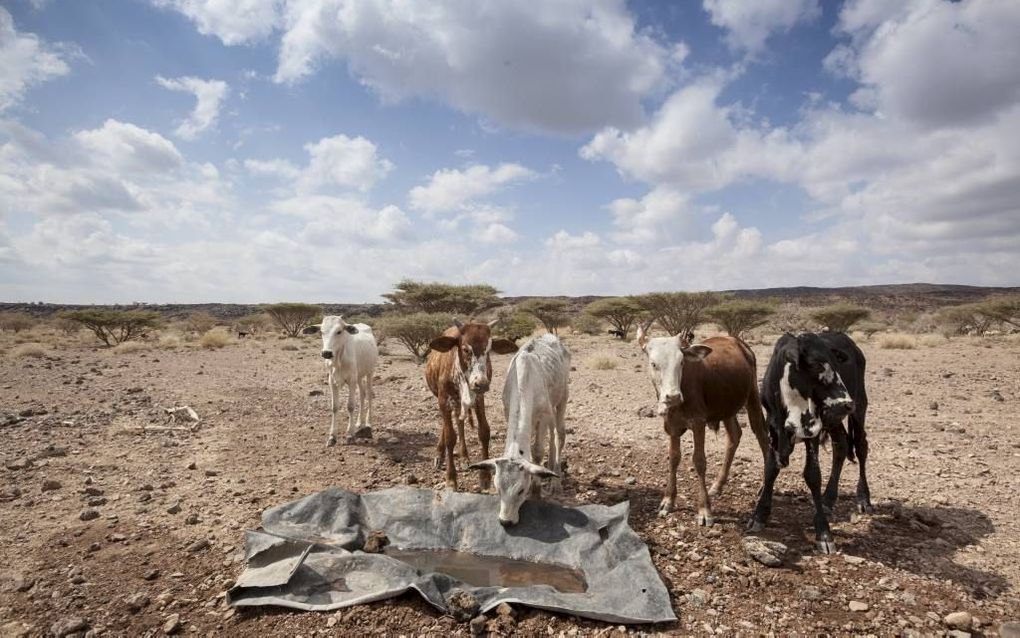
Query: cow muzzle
[
  {"x": 327, "y": 354},
  {"x": 838, "y": 408},
  {"x": 479, "y": 385}
]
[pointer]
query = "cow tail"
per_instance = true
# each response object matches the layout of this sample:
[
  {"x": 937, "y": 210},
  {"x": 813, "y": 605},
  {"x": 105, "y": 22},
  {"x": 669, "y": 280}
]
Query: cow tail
[{"x": 854, "y": 433}]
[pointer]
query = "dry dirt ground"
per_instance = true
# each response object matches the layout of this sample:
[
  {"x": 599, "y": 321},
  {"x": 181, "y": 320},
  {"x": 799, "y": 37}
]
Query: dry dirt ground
[{"x": 171, "y": 506}]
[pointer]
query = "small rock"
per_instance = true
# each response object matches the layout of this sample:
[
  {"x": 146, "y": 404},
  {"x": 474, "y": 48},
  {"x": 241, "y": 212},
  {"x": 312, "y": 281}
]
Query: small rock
[
  {"x": 411, "y": 479},
  {"x": 810, "y": 592},
  {"x": 463, "y": 606},
  {"x": 192, "y": 519},
  {"x": 958, "y": 620},
  {"x": 392, "y": 440},
  {"x": 96, "y": 501},
  {"x": 92, "y": 491},
  {"x": 934, "y": 405},
  {"x": 23, "y": 583},
  {"x": 198, "y": 545},
  {"x": 856, "y": 605},
  {"x": 136, "y": 602},
  {"x": 505, "y": 610},
  {"x": 212, "y": 472},
  {"x": 68, "y": 626},
  {"x": 647, "y": 411},
  {"x": 18, "y": 464},
  {"x": 375, "y": 542},
  {"x": 151, "y": 574},
  {"x": 88, "y": 514},
  {"x": 768, "y": 553},
  {"x": 630, "y": 480},
  {"x": 51, "y": 484},
  {"x": 332, "y": 620},
  {"x": 172, "y": 624},
  {"x": 478, "y": 625},
  {"x": 174, "y": 509},
  {"x": 888, "y": 584},
  {"x": 853, "y": 560},
  {"x": 192, "y": 465},
  {"x": 315, "y": 393},
  {"x": 16, "y": 629}
]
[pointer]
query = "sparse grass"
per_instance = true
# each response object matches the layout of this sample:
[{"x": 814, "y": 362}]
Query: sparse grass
[
  {"x": 897, "y": 341},
  {"x": 858, "y": 336},
  {"x": 33, "y": 350},
  {"x": 290, "y": 347},
  {"x": 932, "y": 340},
  {"x": 170, "y": 342},
  {"x": 215, "y": 339},
  {"x": 131, "y": 347},
  {"x": 602, "y": 362}
]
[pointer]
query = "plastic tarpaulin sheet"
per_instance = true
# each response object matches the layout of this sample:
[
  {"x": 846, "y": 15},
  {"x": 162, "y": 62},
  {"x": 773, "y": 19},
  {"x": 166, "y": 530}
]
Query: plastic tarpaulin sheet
[{"x": 307, "y": 555}]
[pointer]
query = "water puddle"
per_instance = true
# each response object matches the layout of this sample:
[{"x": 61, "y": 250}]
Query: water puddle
[{"x": 492, "y": 571}]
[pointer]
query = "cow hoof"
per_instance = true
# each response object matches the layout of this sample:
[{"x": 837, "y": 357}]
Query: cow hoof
[
  {"x": 864, "y": 507},
  {"x": 331, "y": 441},
  {"x": 715, "y": 491},
  {"x": 555, "y": 487},
  {"x": 704, "y": 519},
  {"x": 826, "y": 547},
  {"x": 665, "y": 507},
  {"x": 451, "y": 485},
  {"x": 438, "y": 463},
  {"x": 754, "y": 526},
  {"x": 828, "y": 510},
  {"x": 348, "y": 440}
]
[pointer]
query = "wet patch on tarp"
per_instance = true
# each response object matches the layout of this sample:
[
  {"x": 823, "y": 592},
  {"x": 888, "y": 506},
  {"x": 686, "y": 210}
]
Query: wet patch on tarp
[{"x": 589, "y": 562}]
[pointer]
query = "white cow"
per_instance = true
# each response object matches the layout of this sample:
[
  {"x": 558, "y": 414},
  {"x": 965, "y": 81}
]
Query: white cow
[
  {"x": 350, "y": 352},
  {"x": 535, "y": 404}
]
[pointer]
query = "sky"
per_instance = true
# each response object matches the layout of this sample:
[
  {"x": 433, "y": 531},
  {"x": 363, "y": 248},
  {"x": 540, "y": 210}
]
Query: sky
[{"x": 250, "y": 151}]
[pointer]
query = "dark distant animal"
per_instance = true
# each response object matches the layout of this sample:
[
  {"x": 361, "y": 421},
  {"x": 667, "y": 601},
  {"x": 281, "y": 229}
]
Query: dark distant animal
[
  {"x": 814, "y": 382},
  {"x": 458, "y": 371},
  {"x": 241, "y": 334},
  {"x": 699, "y": 385},
  {"x": 619, "y": 334}
]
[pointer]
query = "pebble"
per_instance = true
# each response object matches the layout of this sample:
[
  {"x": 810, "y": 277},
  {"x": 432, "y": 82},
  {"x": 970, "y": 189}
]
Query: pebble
[
  {"x": 198, "y": 545},
  {"x": 768, "y": 553},
  {"x": 853, "y": 560},
  {"x": 88, "y": 514},
  {"x": 212, "y": 472},
  {"x": 192, "y": 519},
  {"x": 151, "y": 574},
  {"x": 136, "y": 602},
  {"x": 856, "y": 605},
  {"x": 51, "y": 484},
  {"x": 411, "y": 479},
  {"x": 810, "y": 592},
  {"x": 958, "y": 620},
  {"x": 172, "y": 624},
  {"x": 174, "y": 509},
  {"x": 462, "y": 605},
  {"x": 67, "y": 626},
  {"x": 478, "y": 625}
]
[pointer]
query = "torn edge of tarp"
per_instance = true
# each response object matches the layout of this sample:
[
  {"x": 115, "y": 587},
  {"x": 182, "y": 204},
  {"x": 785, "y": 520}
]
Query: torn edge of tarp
[{"x": 307, "y": 554}]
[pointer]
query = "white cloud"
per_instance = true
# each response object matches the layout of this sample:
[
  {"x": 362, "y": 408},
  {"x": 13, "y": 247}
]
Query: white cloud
[
  {"x": 332, "y": 219},
  {"x": 277, "y": 168},
  {"x": 232, "y": 21},
  {"x": 450, "y": 190},
  {"x": 504, "y": 60},
  {"x": 347, "y": 163},
  {"x": 25, "y": 61},
  {"x": 209, "y": 96},
  {"x": 662, "y": 215},
  {"x": 130, "y": 148},
  {"x": 749, "y": 24}
]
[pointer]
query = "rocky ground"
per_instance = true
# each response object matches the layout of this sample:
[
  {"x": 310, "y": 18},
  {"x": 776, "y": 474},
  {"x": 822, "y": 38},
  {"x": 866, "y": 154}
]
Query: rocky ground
[{"x": 111, "y": 525}]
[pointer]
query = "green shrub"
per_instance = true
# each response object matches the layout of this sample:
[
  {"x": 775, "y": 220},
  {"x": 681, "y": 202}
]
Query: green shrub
[
  {"x": 738, "y": 316},
  {"x": 840, "y": 317},
  {"x": 586, "y": 324},
  {"x": 115, "y": 326}
]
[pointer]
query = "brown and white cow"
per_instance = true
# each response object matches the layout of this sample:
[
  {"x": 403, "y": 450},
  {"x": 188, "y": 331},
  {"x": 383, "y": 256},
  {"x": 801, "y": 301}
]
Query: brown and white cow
[
  {"x": 699, "y": 385},
  {"x": 458, "y": 372}
]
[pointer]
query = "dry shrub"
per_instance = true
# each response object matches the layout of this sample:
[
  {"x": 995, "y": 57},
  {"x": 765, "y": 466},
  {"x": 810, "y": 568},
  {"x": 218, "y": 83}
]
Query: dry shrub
[
  {"x": 289, "y": 347},
  {"x": 33, "y": 350},
  {"x": 602, "y": 362},
  {"x": 897, "y": 341},
  {"x": 858, "y": 336},
  {"x": 131, "y": 347},
  {"x": 932, "y": 340},
  {"x": 215, "y": 339},
  {"x": 170, "y": 341}
]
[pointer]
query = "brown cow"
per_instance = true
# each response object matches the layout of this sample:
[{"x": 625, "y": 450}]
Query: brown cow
[
  {"x": 458, "y": 371},
  {"x": 702, "y": 385}
]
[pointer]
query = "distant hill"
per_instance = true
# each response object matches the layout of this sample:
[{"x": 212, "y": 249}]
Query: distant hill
[{"x": 885, "y": 297}]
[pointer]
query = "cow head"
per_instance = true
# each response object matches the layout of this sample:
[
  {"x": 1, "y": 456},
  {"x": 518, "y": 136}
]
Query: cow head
[
  {"x": 811, "y": 391},
  {"x": 514, "y": 479},
  {"x": 473, "y": 345},
  {"x": 666, "y": 357},
  {"x": 334, "y": 334}
]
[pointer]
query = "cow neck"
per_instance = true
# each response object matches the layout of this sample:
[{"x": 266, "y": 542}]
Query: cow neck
[
  {"x": 467, "y": 397},
  {"x": 521, "y": 415}
]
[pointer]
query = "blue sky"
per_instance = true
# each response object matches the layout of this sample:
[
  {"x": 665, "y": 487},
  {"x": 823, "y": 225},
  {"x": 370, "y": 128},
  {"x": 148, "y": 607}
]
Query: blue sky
[{"x": 320, "y": 150}]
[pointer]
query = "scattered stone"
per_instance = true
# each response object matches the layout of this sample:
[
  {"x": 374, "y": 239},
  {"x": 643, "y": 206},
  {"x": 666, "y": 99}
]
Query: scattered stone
[
  {"x": 888, "y": 584},
  {"x": 136, "y": 602},
  {"x": 16, "y": 629},
  {"x": 9, "y": 493},
  {"x": 172, "y": 624},
  {"x": 151, "y": 574},
  {"x": 51, "y": 484},
  {"x": 505, "y": 610},
  {"x": 856, "y": 605},
  {"x": 174, "y": 509},
  {"x": 853, "y": 560},
  {"x": 646, "y": 411},
  {"x": 934, "y": 405},
  {"x": 315, "y": 393},
  {"x": 212, "y": 472},
  {"x": 67, "y": 626},
  {"x": 97, "y": 501},
  {"x": 630, "y": 480},
  {"x": 192, "y": 519},
  {"x": 698, "y": 597},
  {"x": 18, "y": 464},
  {"x": 88, "y": 514},
  {"x": 958, "y": 620},
  {"x": 463, "y": 606},
  {"x": 23, "y": 583},
  {"x": 198, "y": 545},
  {"x": 411, "y": 479},
  {"x": 392, "y": 440},
  {"x": 375, "y": 542},
  {"x": 768, "y": 553},
  {"x": 92, "y": 491},
  {"x": 477, "y": 625},
  {"x": 192, "y": 465}
]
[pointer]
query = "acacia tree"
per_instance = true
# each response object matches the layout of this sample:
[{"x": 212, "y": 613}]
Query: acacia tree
[
  {"x": 514, "y": 325},
  {"x": 737, "y": 316},
  {"x": 292, "y": 317},
  {"x": 840, "y": 317},
  {"x": 415, "y": 331},
  {"x": 1004, "y": 309},
  {"x": 115, "y": 326},
  {"x": 620, "y": 312},
  {"x": 551, "y": 312},
  {"x": 586, "y": 324},
  {"x": 435, "y": 297},
  {"x": 200, "y": 322},
  {"x": 678, "y": 312}
]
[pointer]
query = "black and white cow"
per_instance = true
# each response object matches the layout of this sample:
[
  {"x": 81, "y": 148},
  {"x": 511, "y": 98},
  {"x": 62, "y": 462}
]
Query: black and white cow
[{"x": 814, "y": 382}]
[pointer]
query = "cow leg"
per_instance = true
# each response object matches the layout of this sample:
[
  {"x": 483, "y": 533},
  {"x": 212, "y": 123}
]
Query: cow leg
[
  {"x": 704, "y": 516},
  {"x": 351, "y": 422},
  {"x": 669, "y": 496},
  {"x": 838, "y": 436},
  {"x": 463, "y": 414},
  {"x": 557, "y": 437},
  {"x": 813, "y": 478},
  {"x": 732, "y": 441},
  {"x": 757, "y": 423},
  {"x": 763, "y": 509},
  {"x": 861, "y": 445},
  {"x": 441, "y": 443},
  {"x": 484, "y": 476},
  {"x": 334, "y": 399},
  {"x": 449, "y": 440},
  {"x": 366, "y": 402}
]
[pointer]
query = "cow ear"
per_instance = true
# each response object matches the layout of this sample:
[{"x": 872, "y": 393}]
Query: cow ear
[
  {"x": 487, "y": 464},
  {"x": 458, "y": 323},
  {"x": 642, "y": 335},
  {"x": 310, "y": 330},
  {"x": 351, "y": 329},
  {"x": 492, "y": 324},
  {"x": 503, "y": 346},
  {"x": 443, "y": 344},
  {"x": 540, "y": 470},
  {"x": 696, "y": 352}
]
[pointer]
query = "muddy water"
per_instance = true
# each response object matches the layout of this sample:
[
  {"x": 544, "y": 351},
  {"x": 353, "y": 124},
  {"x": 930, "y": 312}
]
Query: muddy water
[{"x": 492, "y": 571}]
